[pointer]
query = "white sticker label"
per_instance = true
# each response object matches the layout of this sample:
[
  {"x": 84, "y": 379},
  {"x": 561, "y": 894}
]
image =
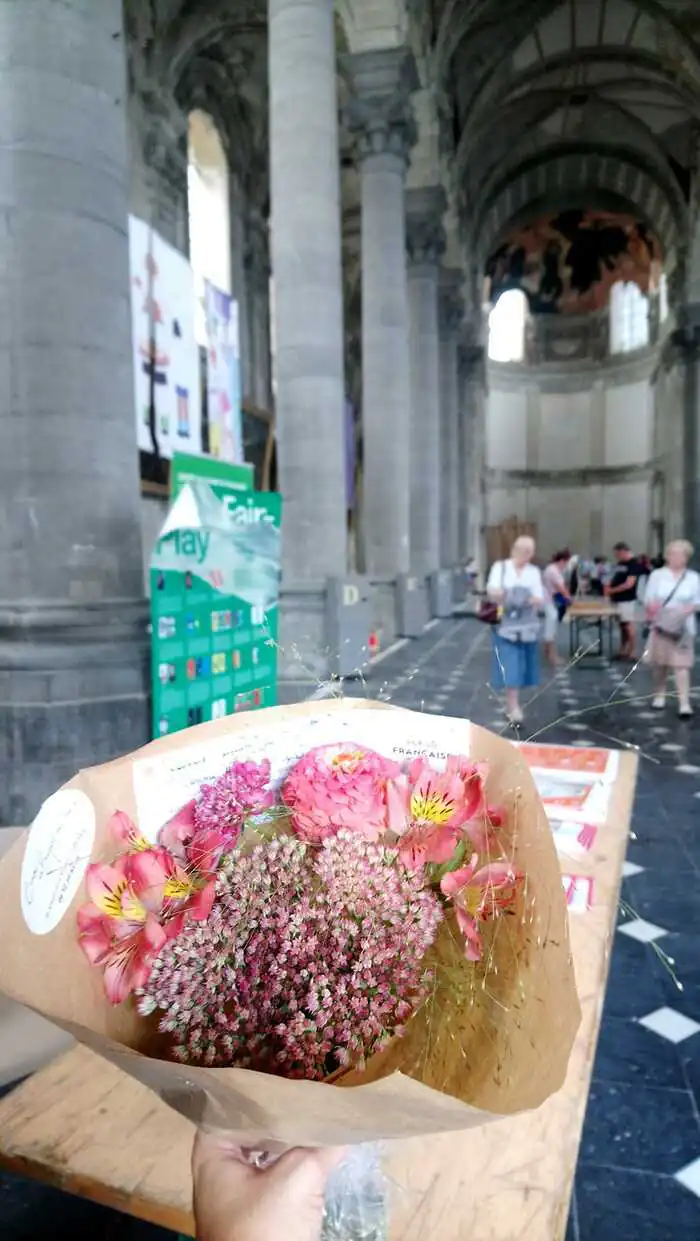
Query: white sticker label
[
  {"x": 163, "y": 785},
  {"x": 59, "y": 848}
]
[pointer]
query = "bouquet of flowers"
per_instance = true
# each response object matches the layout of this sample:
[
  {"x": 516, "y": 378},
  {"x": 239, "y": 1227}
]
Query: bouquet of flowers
[{"x": 322, "y": 924}]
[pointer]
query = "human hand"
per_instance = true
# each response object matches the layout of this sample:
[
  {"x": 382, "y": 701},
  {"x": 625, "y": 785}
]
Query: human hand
[{"x": 234, "y": 1201}]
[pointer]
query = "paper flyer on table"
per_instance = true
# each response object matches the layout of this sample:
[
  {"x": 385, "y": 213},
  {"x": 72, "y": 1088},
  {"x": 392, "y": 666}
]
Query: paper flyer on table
[
  {"x": 580, "y": 802},
  {"x": 572, "y": 837},
  {"x": 575, "y": 763},
  {"x": 579, "y": 891}
]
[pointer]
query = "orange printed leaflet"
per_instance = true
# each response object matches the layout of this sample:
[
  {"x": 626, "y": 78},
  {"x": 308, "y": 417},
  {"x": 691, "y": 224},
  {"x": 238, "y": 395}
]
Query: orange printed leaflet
[{"x": 579, "y": 760}]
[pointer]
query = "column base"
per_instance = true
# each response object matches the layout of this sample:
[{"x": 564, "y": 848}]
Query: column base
[
  {"x": 412, "y": 605},
  {"x": 74, "y": 692},
  {"x": 440, "y": 590},
  {"x": 302, "y": 657}
]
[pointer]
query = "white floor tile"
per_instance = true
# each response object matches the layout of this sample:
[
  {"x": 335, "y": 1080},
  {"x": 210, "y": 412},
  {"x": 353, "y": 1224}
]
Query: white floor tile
[
  {"x": 687, "y": 769},
  {"x": 631, "y": 868},
  {"x": 689, "y": 1177},
  {"x": 641, "y": 930},
  {"x": 671, "y": 747},
  {"x": 670, "y": 1025},
  {"x": 577, "y": 727},
  {"x": 659, "y": 732},
  {"x": 584, "y": 741}
]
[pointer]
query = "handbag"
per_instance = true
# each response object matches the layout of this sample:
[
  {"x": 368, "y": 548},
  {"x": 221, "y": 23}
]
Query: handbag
[
  {"x": 489, "y": 612},
  {"x": 669, "y": 634}
]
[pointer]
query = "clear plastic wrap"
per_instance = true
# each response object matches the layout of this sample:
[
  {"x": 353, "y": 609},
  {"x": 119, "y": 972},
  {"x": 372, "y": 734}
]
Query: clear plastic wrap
[{"x": 356, "y": 1206}]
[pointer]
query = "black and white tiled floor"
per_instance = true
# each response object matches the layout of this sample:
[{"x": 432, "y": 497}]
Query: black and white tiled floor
[{"x": 638, "y": 1176}]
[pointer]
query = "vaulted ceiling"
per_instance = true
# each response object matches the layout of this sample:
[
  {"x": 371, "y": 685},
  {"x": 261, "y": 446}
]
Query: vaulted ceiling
[{"x": 557, "y": 103}]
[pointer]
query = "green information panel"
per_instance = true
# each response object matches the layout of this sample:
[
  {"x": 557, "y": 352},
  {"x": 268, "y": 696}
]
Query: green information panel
[
  {"x": 214, "y": 603},
  {"x": 187, "y": 468}
]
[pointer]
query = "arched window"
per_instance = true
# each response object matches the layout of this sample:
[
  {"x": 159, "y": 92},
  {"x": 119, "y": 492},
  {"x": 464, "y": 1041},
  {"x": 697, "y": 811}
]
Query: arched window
[
  {"x": 507, "y": 327},
  {"x": 629, "y": 318},
  {"x": 208, "y": 192}
]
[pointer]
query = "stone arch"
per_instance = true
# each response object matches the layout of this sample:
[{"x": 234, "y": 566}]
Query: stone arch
[{"x": 573, "y": 172}]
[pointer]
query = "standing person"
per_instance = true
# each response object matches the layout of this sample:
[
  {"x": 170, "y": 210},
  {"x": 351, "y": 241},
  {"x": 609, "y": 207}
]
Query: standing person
[
  {"x": 557, "y": 602},
  {"x": 516, "y": 585},
  {"x": 622, "y": 591},
  {"x": 671, "y": 601}
]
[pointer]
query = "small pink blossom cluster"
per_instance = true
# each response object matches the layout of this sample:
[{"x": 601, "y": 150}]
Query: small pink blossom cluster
[{"x": 311, "y": 959}]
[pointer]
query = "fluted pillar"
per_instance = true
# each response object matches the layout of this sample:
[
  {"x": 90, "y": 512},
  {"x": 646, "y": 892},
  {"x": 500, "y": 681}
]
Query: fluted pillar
[
  {"x": 72, "y": 618},
  {"x": 308, "y": 315},
  {"x": 451, "y": 310},
  {"x": 426, "y": 245},
  {"x": 380, "y": 117}
]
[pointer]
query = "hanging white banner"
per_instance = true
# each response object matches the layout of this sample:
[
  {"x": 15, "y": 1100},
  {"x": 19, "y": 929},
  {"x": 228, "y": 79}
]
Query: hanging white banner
[{"x": 167, "y": 381}]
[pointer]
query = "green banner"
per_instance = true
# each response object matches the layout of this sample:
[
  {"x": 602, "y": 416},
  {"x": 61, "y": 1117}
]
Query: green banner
[
  {"x": 186, "y": 468},
  {"x": 214, "y": 602}
]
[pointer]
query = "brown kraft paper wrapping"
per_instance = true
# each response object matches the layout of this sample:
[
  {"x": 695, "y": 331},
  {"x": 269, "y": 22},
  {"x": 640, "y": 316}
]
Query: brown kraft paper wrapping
[{"x": 490, "y": 1044}]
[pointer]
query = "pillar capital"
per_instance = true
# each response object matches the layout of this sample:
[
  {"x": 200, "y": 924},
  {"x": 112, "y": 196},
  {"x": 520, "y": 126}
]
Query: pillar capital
[
  {"x": 379, "y": 114},
  {"x": 425, "y": 234}
]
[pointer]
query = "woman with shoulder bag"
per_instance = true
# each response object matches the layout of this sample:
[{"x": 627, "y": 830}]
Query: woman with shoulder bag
[
  {"x": 671, "y": 600},
  {"x": 515, "y": 587}
]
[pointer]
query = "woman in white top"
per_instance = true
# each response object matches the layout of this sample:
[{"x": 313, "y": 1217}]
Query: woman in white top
[
  {"x": 671, "y": 600},
  {"x": 516, "y": 585}
]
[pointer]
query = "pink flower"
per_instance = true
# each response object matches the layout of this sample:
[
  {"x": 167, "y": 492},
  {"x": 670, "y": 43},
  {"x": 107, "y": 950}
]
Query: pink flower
[
  {"x": 473, "y": 777},
  {"x": 339, "y": 787},
  {"x": 126, "y": 833},
  {"x": 126, "y": 962},
  {"x": 242, "y": 790},
  {"x": 479, "y": 895},
  {"x": 134, "y": 907},
  {"x": 427, "y": 809},
  {"x": 178, "y": 831}
]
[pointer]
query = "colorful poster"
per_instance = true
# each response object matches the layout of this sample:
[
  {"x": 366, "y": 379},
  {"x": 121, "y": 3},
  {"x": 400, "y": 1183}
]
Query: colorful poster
[
  {"x": 166, "y": 356},
  {"x": 187, "y": 468},
  {"x": 223, "y": 375},
  {"x": 214, "y": 604}
]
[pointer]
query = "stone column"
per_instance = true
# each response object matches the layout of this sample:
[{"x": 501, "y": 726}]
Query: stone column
[
  {"x": 306, "y": 261},
  {"x": 426, "y": 244},
  {"x": 690, "y": 350},
  {"x": 451, "y": 310},
  {"x": 258, "y": 286},
  {"x": 381, "y": 119},
  {"x": 73, "y": 651},
  {"x": 472, "y": 450}
]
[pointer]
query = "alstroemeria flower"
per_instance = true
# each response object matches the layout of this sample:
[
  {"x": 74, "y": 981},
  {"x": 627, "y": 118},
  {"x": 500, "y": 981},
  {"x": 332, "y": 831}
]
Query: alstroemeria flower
[
  {"x": 178, "y": 831},
  {"x": 126, "y": 962},
  {"x": 479, "y": 894},
  {"x": 135, "y": 906},
  {"x": 426, "y": 810},
  {"x": 166, "y": 888},
  {"x": 126, "y": 833},
  {"x": 339, "y": 787}
]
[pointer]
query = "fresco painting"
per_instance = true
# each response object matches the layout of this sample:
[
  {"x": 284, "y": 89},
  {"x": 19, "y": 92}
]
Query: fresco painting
[{"x": 567, "y": 263}]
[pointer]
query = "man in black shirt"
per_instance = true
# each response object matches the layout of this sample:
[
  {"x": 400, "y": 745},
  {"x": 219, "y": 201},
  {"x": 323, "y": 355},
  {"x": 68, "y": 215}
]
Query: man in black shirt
[{"x": 623, "y": 592}]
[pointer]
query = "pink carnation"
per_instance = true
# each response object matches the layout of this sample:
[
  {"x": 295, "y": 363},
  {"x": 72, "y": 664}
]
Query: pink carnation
[{"x": 339, "y": 787}]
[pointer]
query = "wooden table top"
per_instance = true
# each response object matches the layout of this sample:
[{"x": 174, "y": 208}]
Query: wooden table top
[{"x": 85, "y": 1127}]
